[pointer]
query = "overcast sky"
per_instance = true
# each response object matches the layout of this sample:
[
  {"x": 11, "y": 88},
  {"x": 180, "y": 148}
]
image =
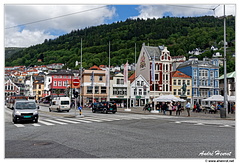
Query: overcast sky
[{"x": 34, "y": 30}]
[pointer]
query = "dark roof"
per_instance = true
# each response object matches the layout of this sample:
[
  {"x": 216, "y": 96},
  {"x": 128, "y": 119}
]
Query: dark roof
[{"x": 197, "y": 63}]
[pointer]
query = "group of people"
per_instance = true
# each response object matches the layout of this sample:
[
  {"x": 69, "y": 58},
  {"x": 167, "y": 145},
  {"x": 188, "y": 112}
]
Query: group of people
[{"x": 169, "y": 106}]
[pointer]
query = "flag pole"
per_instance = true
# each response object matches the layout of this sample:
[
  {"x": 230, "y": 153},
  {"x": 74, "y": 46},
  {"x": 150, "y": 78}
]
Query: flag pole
[
  {"x": 154, "y": 86},
  {"x": 126, "y": 82}
]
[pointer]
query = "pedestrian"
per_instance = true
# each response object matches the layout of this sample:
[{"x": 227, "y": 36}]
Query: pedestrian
[
  {"x": 170, "y": 108},
  {"x": 80, "y": 110},
  {"x": 164, "y": 107},
  {"x": 179, "y": 108},
  {"x": 188, "y": 106}
]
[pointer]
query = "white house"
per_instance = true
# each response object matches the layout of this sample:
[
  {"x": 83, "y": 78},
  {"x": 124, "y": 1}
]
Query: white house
[{"x": 140, "y": 91}]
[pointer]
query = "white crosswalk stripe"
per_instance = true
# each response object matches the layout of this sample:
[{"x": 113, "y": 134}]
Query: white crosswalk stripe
[
  {"x": 45, "y": 123},
  {"x": 68, "y": 121},
  {"x": 53, "y": 121},
  {"x": 19, "y": 125}
]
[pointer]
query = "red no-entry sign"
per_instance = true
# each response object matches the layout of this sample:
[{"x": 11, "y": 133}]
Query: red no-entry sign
[{"x": 76, "y": 82}]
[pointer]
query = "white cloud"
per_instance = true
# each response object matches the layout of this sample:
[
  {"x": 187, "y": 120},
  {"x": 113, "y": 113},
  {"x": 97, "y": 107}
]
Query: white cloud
[
  {"x": 158, "y": 11},
  {"x": 35, "y": 33}
]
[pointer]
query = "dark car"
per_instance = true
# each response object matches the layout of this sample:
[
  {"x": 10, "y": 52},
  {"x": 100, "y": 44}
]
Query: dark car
[{"x": 104, "y": 107}]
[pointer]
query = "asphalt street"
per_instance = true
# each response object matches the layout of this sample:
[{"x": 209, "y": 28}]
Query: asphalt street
[{"x": 120, "y": 135}]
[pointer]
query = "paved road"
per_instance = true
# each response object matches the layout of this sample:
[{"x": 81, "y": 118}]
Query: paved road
[{"x": 120, "y": 135}]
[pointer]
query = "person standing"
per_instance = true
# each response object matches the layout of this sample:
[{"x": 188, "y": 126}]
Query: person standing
[
  {"x": 164, "y": 107},
  {"x": 188, "y": 106},
  {"x": 179, "y": 108},
  {"x": 170, "y": 108}
]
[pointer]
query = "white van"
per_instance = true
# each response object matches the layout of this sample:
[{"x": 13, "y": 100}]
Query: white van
[{"x": 60, "y": 104}]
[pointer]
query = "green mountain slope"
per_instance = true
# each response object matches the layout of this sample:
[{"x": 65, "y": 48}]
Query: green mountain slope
[{"x": 180, "y": 35}]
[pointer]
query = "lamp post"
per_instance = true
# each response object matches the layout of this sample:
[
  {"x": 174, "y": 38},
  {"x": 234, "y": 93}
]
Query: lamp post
[{"x": 223, "y": 111}]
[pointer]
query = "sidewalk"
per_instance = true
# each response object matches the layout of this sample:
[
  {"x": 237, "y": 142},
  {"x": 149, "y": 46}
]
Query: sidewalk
[{"x": 138, "y": 110}]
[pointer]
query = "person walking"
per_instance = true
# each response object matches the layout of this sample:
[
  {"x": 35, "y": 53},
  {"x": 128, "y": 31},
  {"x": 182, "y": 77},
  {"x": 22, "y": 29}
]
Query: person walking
[
  {"x": 188, "y": 106},
  {"x": 179, "y": 108}
]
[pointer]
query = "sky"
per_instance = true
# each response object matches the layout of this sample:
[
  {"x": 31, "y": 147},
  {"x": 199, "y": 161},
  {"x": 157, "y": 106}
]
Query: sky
[{"x": 30, "y": 24}]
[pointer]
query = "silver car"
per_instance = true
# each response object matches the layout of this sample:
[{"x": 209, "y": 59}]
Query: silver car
[{"x": 25, "y": 110}]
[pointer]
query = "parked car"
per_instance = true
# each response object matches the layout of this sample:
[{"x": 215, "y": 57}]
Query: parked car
[
  {"x": 104, "y": 107},
  {"x": 25, "y": 110},
  {"x": 60, "y": 104}
]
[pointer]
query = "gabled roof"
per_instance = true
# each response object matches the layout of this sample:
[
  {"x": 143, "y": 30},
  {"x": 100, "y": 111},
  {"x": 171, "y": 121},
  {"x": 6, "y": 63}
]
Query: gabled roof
[{"x": 179, "y": 74}]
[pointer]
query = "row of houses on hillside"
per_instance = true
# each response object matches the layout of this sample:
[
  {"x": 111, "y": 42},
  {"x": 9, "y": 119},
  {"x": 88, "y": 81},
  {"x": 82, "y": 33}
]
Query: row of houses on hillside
[{"x": 157, "y": 73}]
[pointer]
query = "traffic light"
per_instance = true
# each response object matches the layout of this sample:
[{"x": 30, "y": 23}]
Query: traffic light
[{"x": 75, "y": 94}]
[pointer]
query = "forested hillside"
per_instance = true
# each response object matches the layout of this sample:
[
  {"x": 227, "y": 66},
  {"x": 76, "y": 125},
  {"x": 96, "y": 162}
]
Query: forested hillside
[{"x": 180, "y": 35}]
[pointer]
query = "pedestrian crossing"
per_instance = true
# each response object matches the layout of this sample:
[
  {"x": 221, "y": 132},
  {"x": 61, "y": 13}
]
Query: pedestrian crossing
[
  {"x": 90, "y": 119},
  {"x": 99, "y": 118}
]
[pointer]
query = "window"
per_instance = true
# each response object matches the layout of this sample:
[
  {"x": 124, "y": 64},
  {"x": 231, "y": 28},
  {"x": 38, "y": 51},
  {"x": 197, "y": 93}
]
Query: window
[
  {"x": 188, "y": 82},
  {"x": 89, "y": 90},
  {"x": 211, "y": 74},
  {"x": 216, "y": 74},
  {"x": 39, "y": 86},
  {"x": 59, "y": 83},
  {"x": 115, "y": 91},
  {"x": 124, "y": 91},
  {"x": 55, "y": 83},
  {"x": 166, "y": 87},
  {"x": 142, "y": 83},
  {"x": 166, "y": 67},
  {"x": 179, "y": 82},
  {"x": 195, "y": 72},
  {"x": 140, "y": 91},
  {"x": 156, "y": 77},
  {"x": 103, "y": 90},
  {"x": 138, "y": 83},
  {"x": 195, "y": 82},
  {"x": 166, "y": 76},
  {"x": 144, "y": 92},
  {"x": 100, "y": 78},
  {"x": 179, "y": 92},
  {"x": 188, "y": 92},
  {"x": 175, "y": 92},
  {"x": 65, "y": 83},
  {"x": 97, "y": 89},
  {"x": 174, "y": 82},
  {"x": 135, "y": 91}
]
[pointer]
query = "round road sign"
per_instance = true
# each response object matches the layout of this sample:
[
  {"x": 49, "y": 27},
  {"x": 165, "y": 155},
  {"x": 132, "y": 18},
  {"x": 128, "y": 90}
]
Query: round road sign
[{"x": 76, "y": 82}]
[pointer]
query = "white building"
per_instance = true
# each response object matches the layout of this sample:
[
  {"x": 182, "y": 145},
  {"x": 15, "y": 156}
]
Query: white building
[
  {"x": 140, "y": 90},
  {"x": 119, "y": 91}
]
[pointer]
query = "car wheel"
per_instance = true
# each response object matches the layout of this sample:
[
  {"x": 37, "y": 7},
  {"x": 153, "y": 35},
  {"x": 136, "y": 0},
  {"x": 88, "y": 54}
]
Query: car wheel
[
  {"x": 50, "y": 110},
  {"x": 14, "y": 120},
  {"x": 36, "y": 120}
]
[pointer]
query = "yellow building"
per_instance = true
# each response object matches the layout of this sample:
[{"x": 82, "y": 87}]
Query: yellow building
[
  {"x": 38, "y": 87},
  {"x": 178, "y": 79},
  {"x": 94, "y": 85}
]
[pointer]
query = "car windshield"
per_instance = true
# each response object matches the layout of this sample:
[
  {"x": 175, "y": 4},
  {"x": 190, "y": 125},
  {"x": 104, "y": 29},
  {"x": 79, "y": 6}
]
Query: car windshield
[
  {"x": 64, "y": 102},
  {"x": 25, "y": 105}
]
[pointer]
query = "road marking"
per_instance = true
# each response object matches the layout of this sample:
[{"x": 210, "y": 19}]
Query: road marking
[
  {"x": 36, "y": 125},
  {"x": 64, "y": 120},
  {"x": 225, "y": 126},
  {"x": 177, "y": 122},
  {"x": 94, "y": 120},
  {"x": 80, "y": 120},
  {"x": 46, "y": 123},
  {"x": 19, "y": 125},
  {"x": 50, "y": 120},
  {"x": 198, "y": 124}
]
